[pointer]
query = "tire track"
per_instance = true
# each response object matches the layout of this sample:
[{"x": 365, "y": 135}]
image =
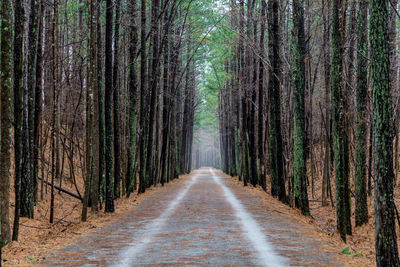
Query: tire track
[{"x": 251, "y": 229}]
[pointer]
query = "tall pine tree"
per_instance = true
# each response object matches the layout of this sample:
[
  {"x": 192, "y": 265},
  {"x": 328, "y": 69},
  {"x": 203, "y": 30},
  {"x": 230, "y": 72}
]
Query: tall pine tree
[
  {"x": 361, "y": 211},
  {"x": 5, "y": 152},
  {"x": 109, "y": 207},
  {"x": 299, "y": 84},
  {"x": 341, "y": 174},
  {"x": 275, "y": 136},
  {"x": 385, "y": 227}
]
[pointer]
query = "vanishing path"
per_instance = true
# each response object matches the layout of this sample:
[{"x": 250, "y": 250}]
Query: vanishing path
[{"x": 205, "y": 219}]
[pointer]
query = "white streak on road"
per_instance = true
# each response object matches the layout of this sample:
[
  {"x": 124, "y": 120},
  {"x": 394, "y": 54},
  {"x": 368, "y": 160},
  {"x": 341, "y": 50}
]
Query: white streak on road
[
  {"x": 266, "y": 253},
  {"x": 129, "y": 254}
]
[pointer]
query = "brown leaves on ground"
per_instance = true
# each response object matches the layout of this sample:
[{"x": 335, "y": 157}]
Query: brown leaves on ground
[
  {"x": 323, "y": 224},
  {"x": 37, "y": 237}
]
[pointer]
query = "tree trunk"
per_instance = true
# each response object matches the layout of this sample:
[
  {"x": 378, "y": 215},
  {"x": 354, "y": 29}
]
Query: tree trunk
[
  {"x": 261, "y": 98},
  {"x": 96, "y": 115},
  {"x": 132, "y": 84},
  {"x": 153, "y": 89},
  {"x": 361, "y": 210},
  {"x": 275, "y": 139},
  {"x": 143, "y": 100},
  {"x": 100, "y": 105},
  {"x": 31, "y": 97},
  {"x": 109, "y": 207},
  {"x": 91, "y": 88},
  {"x": 385, "y": 227},
  {"x": 327, "y": 81},
  {"x": 116, "y": 89},
  {"x": 6, "y": 117},
  {"x": 18, "y": 41},
  {"x": 299, "y": 84},
  {"x": 341, "y": 174}
]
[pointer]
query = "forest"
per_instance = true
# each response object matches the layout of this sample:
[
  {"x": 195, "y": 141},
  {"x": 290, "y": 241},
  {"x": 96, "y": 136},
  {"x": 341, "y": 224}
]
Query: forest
[{"x": 105, "y": 100}]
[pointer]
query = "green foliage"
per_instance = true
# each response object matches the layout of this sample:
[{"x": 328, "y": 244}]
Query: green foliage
[
  {"x": 349, "y": 252},
  {"x": 31, "y": 259},
  {"x": 210, "y": 28}
]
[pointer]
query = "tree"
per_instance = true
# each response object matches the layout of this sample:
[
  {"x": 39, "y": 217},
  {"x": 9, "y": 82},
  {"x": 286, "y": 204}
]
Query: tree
[
  {"x": 55, "y": 123},
  {"x": 38, "y": 102},
  {"x": 94, "y": 83},
  {"x": 275, "y": 138},
  {"x": 166, "y": 99},
  {"x": 299, "y": 84},
  {"x": 100, "y": 106},
  {"x": 385, "y": 228},
  {"x": 115, "y": 75},
  {"x": 31, "y": 98},
  {"x": 109, "y": 207},
  {"x": 361, "y": 211},
  {"x": 143, "y": 99},
  {"x": 91, "y": 154},
  {"x": 27, "y": 179},
  {"x": 241, "y": 87},
  {"x": 252, "y": 80},
  {"x": 153, "y": 92},
  {"x": 5, "y": 152},
  {"x": 187, "y": 122},
  {"x": 340, "y": 156},
  {"x": 326, "y": 181},
  {"x": 18, "y": 42},
  {"x": 261, "y": 97},
  {"x": 132, "y": 84}
]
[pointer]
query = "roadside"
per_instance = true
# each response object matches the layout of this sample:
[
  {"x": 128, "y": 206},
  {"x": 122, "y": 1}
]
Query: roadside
[
  {"x": 359, "y": 249},
  {"x": 37, "y": 236}
]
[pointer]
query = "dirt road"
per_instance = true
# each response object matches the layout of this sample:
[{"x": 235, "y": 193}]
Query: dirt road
[{"x": 206, "y": 219}]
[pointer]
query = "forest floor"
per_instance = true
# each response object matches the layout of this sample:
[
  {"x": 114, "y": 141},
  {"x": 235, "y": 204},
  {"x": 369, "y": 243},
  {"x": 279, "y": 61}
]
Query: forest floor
[
  {"x": 189, "y": 221},
  {"x": 359, "y": 249},
  {"x": 362, "y": 239},
  {"x": 37, "y": 236},
  {"x": 205, "y": 218}
]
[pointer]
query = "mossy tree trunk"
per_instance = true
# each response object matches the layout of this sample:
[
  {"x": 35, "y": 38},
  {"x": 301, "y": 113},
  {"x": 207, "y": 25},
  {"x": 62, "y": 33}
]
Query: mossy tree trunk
[
  {"x": 339, "y": 144},
  {"x": 275, "y": 137},
  {"x": 132, "y": 84},
  {"x": 6, "y": 117},
  {"x": 385, "y": 227},
  {"x": 298, "y": 74},
  {"x": 361, "y": 209}
]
